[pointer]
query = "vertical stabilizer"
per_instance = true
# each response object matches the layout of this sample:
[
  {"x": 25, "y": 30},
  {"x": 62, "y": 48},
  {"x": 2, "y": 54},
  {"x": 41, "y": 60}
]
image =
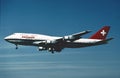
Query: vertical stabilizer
[{"x": 101, "y": 34}]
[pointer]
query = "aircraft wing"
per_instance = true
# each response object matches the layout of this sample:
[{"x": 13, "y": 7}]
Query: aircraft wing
[
  {"x": 59, "y": 42},
  {"x": 63, "y": 39},
  {"x": 81, "y": 33},
  {"x": 73, "y": 36}
]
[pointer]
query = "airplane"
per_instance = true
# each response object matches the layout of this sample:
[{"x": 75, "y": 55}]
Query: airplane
[{"x": 53, "y": 43}]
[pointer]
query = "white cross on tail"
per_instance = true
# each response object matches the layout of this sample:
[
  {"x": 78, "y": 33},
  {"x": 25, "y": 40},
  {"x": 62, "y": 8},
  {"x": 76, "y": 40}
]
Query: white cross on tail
[{"x": 103, "y": 32}]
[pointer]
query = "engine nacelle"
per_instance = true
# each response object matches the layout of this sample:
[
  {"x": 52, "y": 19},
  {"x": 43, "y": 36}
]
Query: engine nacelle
[
  {"x": 41, "y": 48},
  {"x": 70, "y": 37},
  {"x": 41, "y": 42},
  {"x": 47, "y": 42},
  {"x": 50, "y": 42}
]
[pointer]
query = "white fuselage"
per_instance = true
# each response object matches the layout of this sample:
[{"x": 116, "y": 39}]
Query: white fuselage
[{"x": 37, "y": 39}]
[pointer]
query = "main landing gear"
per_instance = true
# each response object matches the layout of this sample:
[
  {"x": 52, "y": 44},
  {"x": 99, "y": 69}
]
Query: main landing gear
[{"x": 51, "y": 50}]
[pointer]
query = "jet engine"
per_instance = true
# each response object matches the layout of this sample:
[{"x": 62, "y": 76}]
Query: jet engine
[
  {"x": 46, "y": 42},
  {"x": 70, "y": 38},
  {"x": 41, "y": 48},
  {"x": 50, "y": 42}
]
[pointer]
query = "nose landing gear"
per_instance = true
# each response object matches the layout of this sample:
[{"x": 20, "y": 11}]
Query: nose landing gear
[{"x": 16, "y": 47}]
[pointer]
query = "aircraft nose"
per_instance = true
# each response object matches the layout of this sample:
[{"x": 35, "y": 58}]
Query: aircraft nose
[{"x": 6, "y": 38}]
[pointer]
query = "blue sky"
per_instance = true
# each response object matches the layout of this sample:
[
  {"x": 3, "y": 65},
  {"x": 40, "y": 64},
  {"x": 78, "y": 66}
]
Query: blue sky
[{"x": 59, "y": 18}]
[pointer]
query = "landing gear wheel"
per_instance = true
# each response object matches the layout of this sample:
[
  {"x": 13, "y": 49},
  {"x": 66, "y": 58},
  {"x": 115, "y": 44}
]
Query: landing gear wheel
[{"x": 52, "y": 52}]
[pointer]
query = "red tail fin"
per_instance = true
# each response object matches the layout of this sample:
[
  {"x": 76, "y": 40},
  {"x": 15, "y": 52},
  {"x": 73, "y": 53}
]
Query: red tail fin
[{"x": 101, "y": 34}]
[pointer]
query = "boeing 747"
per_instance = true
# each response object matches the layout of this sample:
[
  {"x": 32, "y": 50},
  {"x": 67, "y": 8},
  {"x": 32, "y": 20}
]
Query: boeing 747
[{"x": 52, "y": 43}]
